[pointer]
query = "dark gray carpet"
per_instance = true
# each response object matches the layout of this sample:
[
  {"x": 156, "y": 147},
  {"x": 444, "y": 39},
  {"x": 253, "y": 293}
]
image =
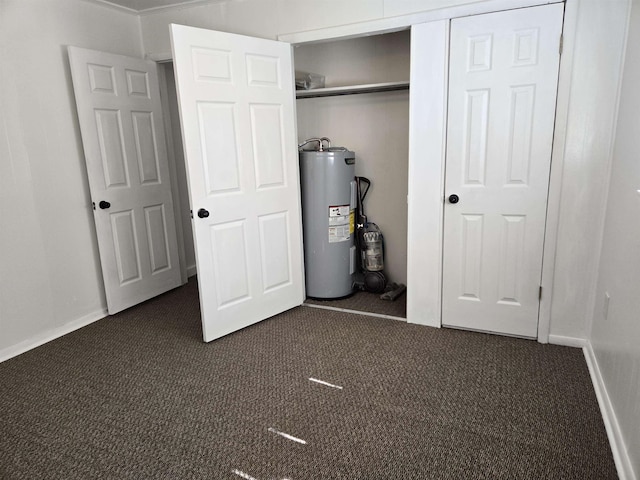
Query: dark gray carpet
[
  {"x": 138, "y": 395},
  {"x": 367, "y": 302}
]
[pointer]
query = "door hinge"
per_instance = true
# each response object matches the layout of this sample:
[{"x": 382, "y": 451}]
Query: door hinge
[
  {"x": 540, "y": 293},
  {"x": 561, "y": 44}
]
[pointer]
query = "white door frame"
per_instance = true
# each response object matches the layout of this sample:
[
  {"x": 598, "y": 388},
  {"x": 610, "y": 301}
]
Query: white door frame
[{"x": 427, "y": 142}]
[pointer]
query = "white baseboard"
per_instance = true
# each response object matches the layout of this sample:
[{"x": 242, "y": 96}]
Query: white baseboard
[
  {"x": 616, "y": 440},
  {"x": 47, "y": 336},
  {"x": 567, "y": 341},
  {"x": 191, "y": 271}
]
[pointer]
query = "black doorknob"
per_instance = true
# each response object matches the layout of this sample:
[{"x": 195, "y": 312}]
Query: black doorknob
[
  {"x": 202, "y": 213},
  {"x": 104, "y": 204},
  {"x": 454, "y": 198}
]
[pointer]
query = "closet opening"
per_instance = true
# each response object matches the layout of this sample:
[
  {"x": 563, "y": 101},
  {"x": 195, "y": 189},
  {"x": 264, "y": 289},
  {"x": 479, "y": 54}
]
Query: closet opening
[{"x": 364, "y": 107}]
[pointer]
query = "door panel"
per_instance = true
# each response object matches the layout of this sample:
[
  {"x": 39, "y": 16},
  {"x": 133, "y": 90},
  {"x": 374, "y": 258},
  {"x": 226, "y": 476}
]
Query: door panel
[
  {"x": 118, "y": 104},
  {"x": 475, "y": 136},
  {"x": 274, "y": 250},
  {"x": 268, "y": 145},
  {"x": 112, "y": 148},
  {"x": 472, "y": 234},
  {"x": 502, "y": 90},
  {"x": 158, "y": 238},
  {"x": 146, "y": 154},
  {"x": 220, "y": 151},
  {"x": 237, "y": 113},
  {"x": 512, "y": 251},
  {"x": 126, "y": 246}
]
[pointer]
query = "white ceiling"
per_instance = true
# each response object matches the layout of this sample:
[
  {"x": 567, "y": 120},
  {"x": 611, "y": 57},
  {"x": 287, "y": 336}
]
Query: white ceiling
[{"x": 141, "y": 5}]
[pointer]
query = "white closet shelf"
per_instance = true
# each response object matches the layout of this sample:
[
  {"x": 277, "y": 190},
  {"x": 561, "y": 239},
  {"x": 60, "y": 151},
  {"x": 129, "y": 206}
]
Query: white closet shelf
[{"x": 352, "y": 89}]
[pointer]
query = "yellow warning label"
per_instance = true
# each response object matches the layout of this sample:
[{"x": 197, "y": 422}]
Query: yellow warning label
[{"x": 352, "y": 221}]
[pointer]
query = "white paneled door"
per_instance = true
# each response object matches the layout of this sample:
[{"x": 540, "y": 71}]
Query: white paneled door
[
  {"x": 236, "y": 101},
  {"x": 502, "y": 94},
  {"x": 118, "y": 102}
]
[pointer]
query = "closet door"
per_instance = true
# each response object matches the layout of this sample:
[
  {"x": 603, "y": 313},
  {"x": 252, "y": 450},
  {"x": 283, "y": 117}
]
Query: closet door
[
  {"x": 502, "y": 94},
  {"x": 236, "y": 101}
]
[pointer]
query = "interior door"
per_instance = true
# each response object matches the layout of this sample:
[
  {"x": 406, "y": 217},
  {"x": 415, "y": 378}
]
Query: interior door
[
  {"x": 236, "y": 102},
  {"x": 502, "y": 93},
  {"x": 118, "y": 104}
]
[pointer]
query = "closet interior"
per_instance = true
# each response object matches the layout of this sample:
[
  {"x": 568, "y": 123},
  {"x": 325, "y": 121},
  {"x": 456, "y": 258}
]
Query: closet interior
[{"x": 364, "y": 106}]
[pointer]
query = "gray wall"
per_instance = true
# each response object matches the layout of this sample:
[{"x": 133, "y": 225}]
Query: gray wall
[
  {"x": 615, "y": 334},
  {"x": 50, "y": 277}
]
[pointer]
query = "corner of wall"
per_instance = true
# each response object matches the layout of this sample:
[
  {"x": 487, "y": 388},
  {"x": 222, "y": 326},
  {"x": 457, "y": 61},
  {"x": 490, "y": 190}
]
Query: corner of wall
[
  {"x": 587, "y": 132},
  {"x": 614, "y": 433},
  {"x": 49, "y": 335},
  {"x": 140, "y": 36},
  {"x": 614, "y": 128}
]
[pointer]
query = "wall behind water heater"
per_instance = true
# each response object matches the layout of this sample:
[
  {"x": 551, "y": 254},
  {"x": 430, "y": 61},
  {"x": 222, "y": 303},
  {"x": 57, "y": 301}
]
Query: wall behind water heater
[{"x": 375, "y": 126}]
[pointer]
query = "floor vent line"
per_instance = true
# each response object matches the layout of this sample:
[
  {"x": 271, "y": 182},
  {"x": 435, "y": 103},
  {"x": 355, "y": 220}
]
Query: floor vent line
[
  {"x": 322, "y": 382},
  {"x": 241, "y": 474},
  {"x": 287, "y": 436},
  {"x": 356, "y": 312}
]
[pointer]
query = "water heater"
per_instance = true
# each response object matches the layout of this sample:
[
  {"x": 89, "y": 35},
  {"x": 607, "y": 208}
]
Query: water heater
[{"x": 328, "y": 220}]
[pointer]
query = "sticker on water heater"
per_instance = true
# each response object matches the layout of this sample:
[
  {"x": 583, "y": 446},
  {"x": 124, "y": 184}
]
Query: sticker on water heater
[
  {"x": 339, "y": 234},
  {"x": 338, "y": 211},
  {"x": 335, "y": 221},
  {"x": 339, "y": 215}
]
